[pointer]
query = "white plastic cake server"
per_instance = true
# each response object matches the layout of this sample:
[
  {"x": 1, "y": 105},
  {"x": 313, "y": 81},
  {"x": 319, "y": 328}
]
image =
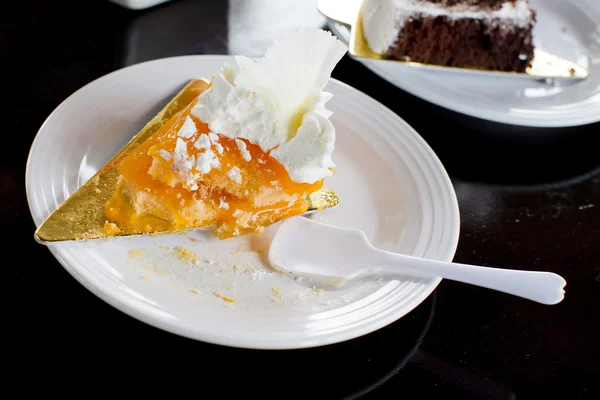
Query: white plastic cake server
[{"x": 306, "y": 247}]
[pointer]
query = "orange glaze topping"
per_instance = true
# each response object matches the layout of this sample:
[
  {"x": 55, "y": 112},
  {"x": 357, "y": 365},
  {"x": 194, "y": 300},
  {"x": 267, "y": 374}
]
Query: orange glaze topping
[{"x": 266, "y": 190}]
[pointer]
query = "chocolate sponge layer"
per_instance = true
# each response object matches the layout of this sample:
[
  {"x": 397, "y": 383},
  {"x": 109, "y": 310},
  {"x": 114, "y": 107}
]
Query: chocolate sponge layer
[{"x": 469, "y": 43}]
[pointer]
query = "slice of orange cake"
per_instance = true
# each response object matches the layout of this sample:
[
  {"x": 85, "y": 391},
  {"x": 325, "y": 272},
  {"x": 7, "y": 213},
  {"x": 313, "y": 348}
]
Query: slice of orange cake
[{"x": 244, "y": 154}]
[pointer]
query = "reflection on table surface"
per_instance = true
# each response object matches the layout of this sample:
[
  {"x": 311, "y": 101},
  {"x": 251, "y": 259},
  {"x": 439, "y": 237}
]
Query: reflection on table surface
[{"x": 239, "y": 27}]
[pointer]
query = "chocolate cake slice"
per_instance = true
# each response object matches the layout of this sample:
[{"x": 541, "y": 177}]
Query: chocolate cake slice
[{"x": 481, "y": 34}]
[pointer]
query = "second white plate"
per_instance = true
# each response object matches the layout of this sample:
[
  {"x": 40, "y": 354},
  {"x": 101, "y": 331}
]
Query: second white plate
[
  {"x": 391, "y": 185},
  {"x": 566, "y": 28}
]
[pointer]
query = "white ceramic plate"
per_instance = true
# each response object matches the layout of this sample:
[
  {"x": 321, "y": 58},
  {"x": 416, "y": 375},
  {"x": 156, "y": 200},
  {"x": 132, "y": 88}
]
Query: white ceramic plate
[
  {"x": 390, "y": 183},
  {"x": 566, "y": 28}
]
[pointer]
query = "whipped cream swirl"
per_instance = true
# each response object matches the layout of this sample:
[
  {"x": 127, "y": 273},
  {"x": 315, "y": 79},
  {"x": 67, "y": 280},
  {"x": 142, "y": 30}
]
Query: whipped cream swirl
[{"x": 278, "y": 102}]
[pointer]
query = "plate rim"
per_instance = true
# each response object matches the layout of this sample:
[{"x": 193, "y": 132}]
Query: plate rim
[{"x": 123, "y": 304}]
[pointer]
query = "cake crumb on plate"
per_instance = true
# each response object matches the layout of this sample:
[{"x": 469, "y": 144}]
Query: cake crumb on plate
[
  {"x": 136, "y": 254},
  {"x": 224, "y": 298},
  {"x": 185, "y": 254}
]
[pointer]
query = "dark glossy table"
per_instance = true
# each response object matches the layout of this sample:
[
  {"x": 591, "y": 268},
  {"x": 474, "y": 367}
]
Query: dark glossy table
[{"x": 529, "y": 198}]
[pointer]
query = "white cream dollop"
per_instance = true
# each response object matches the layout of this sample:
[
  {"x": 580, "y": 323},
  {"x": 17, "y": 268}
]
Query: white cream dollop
[{"x": 277, "y": 102}]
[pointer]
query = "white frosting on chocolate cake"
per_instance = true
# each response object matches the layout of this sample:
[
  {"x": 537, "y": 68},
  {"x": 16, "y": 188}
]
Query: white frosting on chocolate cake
[{"x": 383, "y": 19}]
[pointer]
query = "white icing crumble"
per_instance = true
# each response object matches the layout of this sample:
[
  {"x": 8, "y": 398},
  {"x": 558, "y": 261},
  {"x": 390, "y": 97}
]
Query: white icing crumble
[
  {"x": 183, "y": 162},
  {"x": 235, "y": 174},
  {"x": 213, "y": 137},
  {"x": 261, "y": 161},
  {"x": 245, "y": 101},
  {"x": 383, "y": 19},
  {"x": 165, "y": 155},
  {"x": 260, "y": 274},
  {"x": 203, "y": 142},
  {"x": 243, "y": 150},
  {"x": 223, "y": 204},
  {"x": 219, "y": 148},
  {"x": 194, "y": 187},
  {"x": 246, "y": 192},
  {"x": 237, "y": 213},
  {"x": 180, "y": 150},
  {"x": 207, "y": 161},
  {"x": 188, "y": 129}
]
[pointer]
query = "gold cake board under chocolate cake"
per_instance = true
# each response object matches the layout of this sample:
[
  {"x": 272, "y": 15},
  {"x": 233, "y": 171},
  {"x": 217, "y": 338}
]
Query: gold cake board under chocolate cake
[{"x": 82, "y": 217}]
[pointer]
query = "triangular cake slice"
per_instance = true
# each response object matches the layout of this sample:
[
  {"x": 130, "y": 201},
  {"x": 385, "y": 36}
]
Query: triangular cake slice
[{"x": 247, "y": 152}]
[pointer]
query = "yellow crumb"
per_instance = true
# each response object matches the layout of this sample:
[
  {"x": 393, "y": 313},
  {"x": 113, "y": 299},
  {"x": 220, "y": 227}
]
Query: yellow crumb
[
  {"x": 185, "y": 254},
  {"x": 98, "y": 190},
  {"x": 336, "y": 281},
  {"x": 227, "y": 299},
  {"x": 96, "y": 180},
  {"x": 136, "y": 253},
  {"x": 111, "y": 229},
  {"x": 157, "y": 271},
  {"x": 145, "y": 277},
  {"x": 277, "y": 292},
  {"x": 195, "y": 291},
  {"x": 238, "y": 250}
]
